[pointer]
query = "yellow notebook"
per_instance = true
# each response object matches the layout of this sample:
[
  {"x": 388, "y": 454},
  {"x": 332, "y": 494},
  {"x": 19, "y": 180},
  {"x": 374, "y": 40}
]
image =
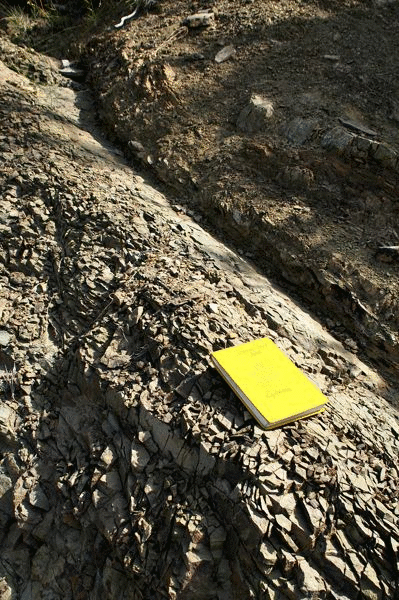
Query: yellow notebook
[{"x": 272, "y": 388}]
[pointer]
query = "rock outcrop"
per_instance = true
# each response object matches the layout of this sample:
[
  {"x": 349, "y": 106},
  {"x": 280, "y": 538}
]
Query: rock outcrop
[{"x": 128, "y": 469}]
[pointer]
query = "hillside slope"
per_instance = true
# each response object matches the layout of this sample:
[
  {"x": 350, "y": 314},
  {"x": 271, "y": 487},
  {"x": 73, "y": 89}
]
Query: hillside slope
[
  {"x": 287, "y": 143},
  {"x": 127, "y": 468}
]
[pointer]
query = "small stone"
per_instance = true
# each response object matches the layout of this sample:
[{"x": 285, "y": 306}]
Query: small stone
[
  {"x": 184, "y": 388},
  {"x": 337, "y": 139},
  {"x": 73, "y": 72},
  {"x": 6, "y": 504},
  {"x": 4, "y": 337},
  {"x": 331, "y": 57},
  {"x": 7, "y": 589},
  {"x": 108, "y": 456},
  {"x": 213, "y": 307},
  {"x": 110, "y": 482},
  {"x": 283, "y": 522},
  {"x": 147, "y": 441},
  {"x": 297, "y": 177},
  {"x": 8, "y": 424},
  {"x": 139, "y": 457},
  {"x": 256, "y": 115},
  {"x": 42, "y": 530},
  {"x": 355, "y": 126},
  {"x": 136, "y": 147},
  {"x": 38, "y": 498},
  {"x": 309, "y": 579},
  {"x": 386, "y": 156},
  {"x": 225, "y": 53},
  {"x": 370, "y": 584},
  {"x": 299, "y": 130},
  {"x": 200, "y": 19}
]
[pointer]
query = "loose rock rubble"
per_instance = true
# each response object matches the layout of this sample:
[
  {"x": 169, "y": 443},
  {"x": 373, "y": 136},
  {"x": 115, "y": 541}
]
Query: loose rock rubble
[{"x": 128, "y": 469}]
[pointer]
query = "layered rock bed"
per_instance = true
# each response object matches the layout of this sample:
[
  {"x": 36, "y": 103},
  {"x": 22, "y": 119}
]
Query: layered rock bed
[{"x": 127, "y": 467}]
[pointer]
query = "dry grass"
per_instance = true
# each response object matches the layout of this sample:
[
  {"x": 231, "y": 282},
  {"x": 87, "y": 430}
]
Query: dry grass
[
  {"x": 16, "y": 20},
  {"x": 42, "y": 26}
]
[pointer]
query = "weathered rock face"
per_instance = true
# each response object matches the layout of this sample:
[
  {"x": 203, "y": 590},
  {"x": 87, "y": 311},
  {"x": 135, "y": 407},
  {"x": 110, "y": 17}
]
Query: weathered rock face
[{"x": 127, "y": 469}]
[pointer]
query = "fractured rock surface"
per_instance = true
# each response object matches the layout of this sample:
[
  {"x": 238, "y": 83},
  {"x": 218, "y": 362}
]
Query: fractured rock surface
[{"x": 128, "y": 469}]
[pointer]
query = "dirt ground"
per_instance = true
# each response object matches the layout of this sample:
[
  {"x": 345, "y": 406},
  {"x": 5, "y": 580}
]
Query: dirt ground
[{"x": 307, "y": 208}]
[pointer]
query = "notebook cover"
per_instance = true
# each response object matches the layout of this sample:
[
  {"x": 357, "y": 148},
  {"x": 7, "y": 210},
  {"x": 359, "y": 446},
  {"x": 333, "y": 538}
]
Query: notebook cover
[{"x": 274, "y": 390}]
